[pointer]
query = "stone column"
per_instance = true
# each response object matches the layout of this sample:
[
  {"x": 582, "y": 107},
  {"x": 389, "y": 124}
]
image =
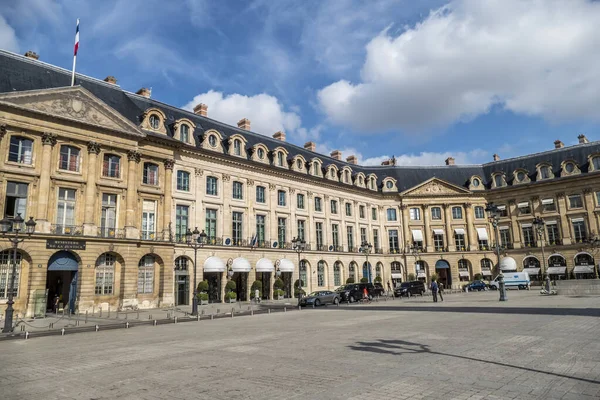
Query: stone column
[
  {"x": 407, "y": 239},
  {"x": 472, "y": 237},
  {"x": 516, "y": 228},
  {"x": 565, "y": 229},
  {"x": 311, "y": 236},
  {"x": 427, "y": 235},
  {"x": 168, "y": 203},
  {"x": 48, "y": 142},
  {"x": 448, "y": 223},
  {"x": 589, "y": 207},
  {"x": 89, "y": 222},
  {"x": 131, "y": 231}
]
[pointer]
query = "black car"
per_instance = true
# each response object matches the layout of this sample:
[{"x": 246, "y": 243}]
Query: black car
[
  {"x": 409, "y": 289},
  {"x": 354, "y": 291}
]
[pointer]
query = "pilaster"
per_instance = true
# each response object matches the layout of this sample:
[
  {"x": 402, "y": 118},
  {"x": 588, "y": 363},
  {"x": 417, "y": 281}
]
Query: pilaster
[
  {"x": 131, "y": 231},
  {"x": 89, "y": 222},
  {"x": 48, "y": 142}
]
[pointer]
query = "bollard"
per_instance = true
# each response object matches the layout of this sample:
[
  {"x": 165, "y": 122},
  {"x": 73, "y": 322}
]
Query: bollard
[
  {"x": 198, "y": 317},
  {"x": 269, "y": 311},
  {"x": 100, "y": 312},
  {"x": 108, "y": 314},
  {"x": 117, "y": 315},
  {"x": 299, "y": 308},
  {"x": 26, "y": 335},
  {"x": 313, "y": 305},
  {"x": 63, "y": 312},
  {"x": 86, "y": 315},
  {"x": 62, "y": 332},
  {"x": 231, "y": 314},
  {"x": 138, "y": 314},
  {"x": 218, "y": 311},
  {"x": 97, "y": 328},
  {"x": 175, "y": 320},
  {"x": 252, "y": 312},
  {"x": 77, "y": 323},
  {"x": 284, "y": 309},
  {"x": 127, "y": 325},
  {"x": 212, "y": 316},
  {"x": 155, "y": 323}
]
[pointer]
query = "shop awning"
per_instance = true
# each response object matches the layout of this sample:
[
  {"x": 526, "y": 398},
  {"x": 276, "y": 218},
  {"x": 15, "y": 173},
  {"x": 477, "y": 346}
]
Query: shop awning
[
  {"x": 550, "y": 222},
  {"x": 438, "y": 231},
  {"x": 459, "y": 231},
  {"x": 482, "y": 233},
  {"x": 501, "y": 208},
  {"x": 421, "y": 274},
  {"x": 486, "y": 272},
  {"x": 524, "y": 204},
  {"x": 442, "y": 264},
  {"x": 214, "y": 264},
  {"x": 240, "y": 264},
  {"x": 557, "y": 270},
  {"x": 286, "y": 265},
  {"x": 264, "y": 265},
  {"x": 532, "y": 271},
  {"x": 526, "y": 225},
  {"x": 583, "y": 269},
  {"x": 577, "y": 220},
  {"x": 396, "y": 275},
  {"x": 463, "y": 273},
  {"x": 417, "y": 235},
  {"x": 547, "y": 201}
]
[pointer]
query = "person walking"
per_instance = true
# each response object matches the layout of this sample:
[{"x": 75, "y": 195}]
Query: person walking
[
  {"x": 441, "y": 290},
  {"x": 434, "y": 290},
  {"x": 366, "y": 295},
  {"x": 389, "y": 288}
]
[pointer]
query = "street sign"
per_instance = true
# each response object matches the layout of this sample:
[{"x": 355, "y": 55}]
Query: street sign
[{"x": 65, "y": 244}]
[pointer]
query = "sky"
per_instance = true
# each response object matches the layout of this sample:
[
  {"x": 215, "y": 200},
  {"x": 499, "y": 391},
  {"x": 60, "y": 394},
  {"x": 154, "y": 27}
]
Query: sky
[{"x": 419, "y": 80}]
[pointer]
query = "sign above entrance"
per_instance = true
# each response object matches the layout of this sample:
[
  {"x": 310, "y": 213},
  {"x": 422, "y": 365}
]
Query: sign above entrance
[{"x": 65, "y": 244}]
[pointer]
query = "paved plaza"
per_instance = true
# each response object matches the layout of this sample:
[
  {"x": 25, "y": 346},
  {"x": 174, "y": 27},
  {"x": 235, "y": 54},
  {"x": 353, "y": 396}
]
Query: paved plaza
[{"x": 468, "y": 347}]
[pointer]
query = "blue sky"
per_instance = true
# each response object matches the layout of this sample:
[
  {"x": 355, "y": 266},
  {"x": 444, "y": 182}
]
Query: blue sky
[{"x": 421, "y": 80}]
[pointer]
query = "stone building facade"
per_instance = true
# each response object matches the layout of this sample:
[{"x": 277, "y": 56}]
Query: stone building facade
[{"x": 115, "y": 179}]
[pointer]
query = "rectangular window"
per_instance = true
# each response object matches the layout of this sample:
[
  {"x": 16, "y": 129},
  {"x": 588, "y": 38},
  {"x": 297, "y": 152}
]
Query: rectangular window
[
  {"x": 553, "y": 235},
  {"x": 457, "y": 213},
  {"x": 503, "y": 211},
  {"x": 318, "y": 204},
  {"x": 528, "y": 236},
  {"x": 524, "y": 208},
  {"x": 281, "y": 198},
  {"x": 579, "y": 233},
  {"x": 260, "y": 194},
  {"x": 181, "y": 222},
  {"x": 438, "y": 242},
  {"x": 575, "y": 201},
  {"x": 319, "y": 231},
  {"x": 348, "y": 210},
  {"x": 363, "y": 235},
  {"x": 148, "y": 219},
  {"x": 69, "y": 158},
  {"x": 436, "y": 213},
  {"x": 505, "y": 241},
  {"x": 111, "y": 167},
  {"x": 20, "y": 150},
  {"x": 391, "y": 214},
  {"x": 300, "y": 201},
  {"x": 281, "y": 225},
  {"x": 15, "y": 200},
  {"x": 479, "y": 212},
  {"x": 376, "y": 239},
  {"x": 211, "y": 225},
  {"x": 65, "y": 211},
  {"x": 150, "y": 176},
  {"x": 374, "y": 213},
  {"x": 211, "y": 185},
  {"x": 334, "y": 206},
  {"x": 548, "y": 205},
  {"x": 335, "y": 237},
  {"x": 260, "y": 230},
  {"x": 183, "y": 181},
  {"x": 236, "y": 228},
  {"x": 238, "y": 190},
  {"x": 361, "y": 212},
  {"x": 146, "y": 275},
  {"x": 393, "y": 241},
  {"x": 108, "y": 217},
  {"x": 350, "y": 234},
  {"x": 459, "y": 241},
  {"x": 301, "y": 235},
  {"x": 415, "y": 214}
]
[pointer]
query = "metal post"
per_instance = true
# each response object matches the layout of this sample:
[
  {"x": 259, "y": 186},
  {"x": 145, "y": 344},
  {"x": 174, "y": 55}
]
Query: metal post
[
  {"x": 501, "y": 284},
  {"x": 195, "y": 298}
]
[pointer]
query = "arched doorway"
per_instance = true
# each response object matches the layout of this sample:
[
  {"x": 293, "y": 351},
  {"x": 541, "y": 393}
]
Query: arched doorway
[
  {"x": 61, "y": 281},
  {"x": 321, "y": 274},
  {"x": 286, "y": 270},
  {"x": 366, "y": 272},
  {"x": 241, "y": 269},
  {"x": 352, "y": 272},
  {"x": 337, "y": 273},
  {"x": 442, "y": 269},
  {"x": 264, "y": 270},
  {"x": 214, "y": 268},
  {"x": 304, "y": 275},
  {"x": 396, "y": 268},
  {"x": 584, "y": 266},
  {"x": 557, "y": 267},
  {"x": 6, "y": 266},
  {"x": 182, "y": 281},
  {"x": 531, "y": 265},
  {"x": 421, "y": 270},
  {"x": 464, "y": 270},
  {"x": 379, "y": 273}
]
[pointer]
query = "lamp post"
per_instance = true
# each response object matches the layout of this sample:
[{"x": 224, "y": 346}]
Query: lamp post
[
  {"x": 414, "y": 250},
  {"x": 494, "y": 217},
  {"x": 15, "y": 226},
  {"x": 195, "y": 240},
  {"x": 299, "y": 245},
  {"x": 594, "y": 243},
  {"x": 366, "y": 249},
  {"x": 540, "y": 227}
]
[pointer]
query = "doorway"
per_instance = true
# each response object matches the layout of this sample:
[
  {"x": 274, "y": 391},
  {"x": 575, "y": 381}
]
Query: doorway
[
  {"x": 182, "y": 290},
  {"x": 442, "y": 268},
  {"x": 61, "y": 281},
  {"x": 214, "y": 286},
  {"x": 241, "y": 285},
  {"x": 286, "y": 277}
]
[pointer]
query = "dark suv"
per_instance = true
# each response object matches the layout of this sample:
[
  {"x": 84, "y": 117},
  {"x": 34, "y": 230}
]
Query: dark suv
[
  {"x": 410, "y": 289},
  {"x": 354, "y": 291}
]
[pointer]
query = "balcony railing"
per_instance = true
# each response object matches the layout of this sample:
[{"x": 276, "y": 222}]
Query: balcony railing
[
  {"x": 440, "y": 248},
  {"x": 67, "y": 230},
  {"x": 554, "y": 242},
  {"x": 379, "y": 251},
  {"x": 394, "y": 250},
  {"x": 485, "y": 247},
  {"x": 112, "y": 233},
  {"x": 164, "y": 236}
]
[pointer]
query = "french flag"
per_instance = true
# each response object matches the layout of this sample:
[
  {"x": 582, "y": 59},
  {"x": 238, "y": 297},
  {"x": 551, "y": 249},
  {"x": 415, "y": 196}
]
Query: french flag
[{"x": 76, "y": 38}]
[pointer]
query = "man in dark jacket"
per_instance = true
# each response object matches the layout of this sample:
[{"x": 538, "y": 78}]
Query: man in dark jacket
[
  {"x": 441, "y": 290},
  {"x": 434, "y": 290}
]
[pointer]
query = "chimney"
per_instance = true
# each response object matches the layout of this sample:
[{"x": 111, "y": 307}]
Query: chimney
[
  {"x": 32, "y": 54},
  {"x": 336, "y": 154},
  {"x": 111, "y": 79},
  {"x": 144, "y": 92},
  {"x": 352, "y": 159},
  {"x": 450, "y": 161},
  {"x": 582, "y": 139},
  {"x": 279, "y": 135},
  {"x": 391, "y": 161},
  {"x": 386, "y": 162},
  {"x": 558, "y": 144},
  {"x": 201, "y": 109},
  {"x": 310, "y": 146},
  {"x": 244, "y": 123},
  {"x": 496, "y": 157}
]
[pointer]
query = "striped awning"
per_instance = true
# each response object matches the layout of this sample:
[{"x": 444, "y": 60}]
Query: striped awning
[{"x": 463, "y": 273}]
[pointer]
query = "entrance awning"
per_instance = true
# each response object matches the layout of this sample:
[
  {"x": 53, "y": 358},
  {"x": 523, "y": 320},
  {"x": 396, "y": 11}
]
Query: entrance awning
[
  {"x": 532, "y": 271},
  {"x": 438, "y": 231},
  {"x": 459, "y": 231},
  {"x": 396, "y": 275},
  {"x": 557, "y": 270},
  {"x": 286, "y": 265},
  {"x": 63, "y": 261},
  {"x": 508, "y": 264},
  {"x": 417, "y": 235},
  {"x": 214, "y": 264},
  {"x": 463, "y": 273},
  {"x": 583, "y": 269},
  {"x": 421, "y": 274},
  {"x": 442, "y": 264},
  {"x": 486, "y": 272},
  {"x": 240, "y": 264},
  {"x": 264, "y": 265},
  {"x": 482, "y": 233}
]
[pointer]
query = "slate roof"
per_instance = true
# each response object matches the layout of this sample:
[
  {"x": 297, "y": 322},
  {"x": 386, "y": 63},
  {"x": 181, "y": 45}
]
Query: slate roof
[{"x": 18, "y": 73}]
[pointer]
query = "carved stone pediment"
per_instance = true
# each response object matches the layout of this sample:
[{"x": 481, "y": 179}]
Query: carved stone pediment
[
  {"x": 435, "y": 187},
  {"x": 74, "y": 104}
]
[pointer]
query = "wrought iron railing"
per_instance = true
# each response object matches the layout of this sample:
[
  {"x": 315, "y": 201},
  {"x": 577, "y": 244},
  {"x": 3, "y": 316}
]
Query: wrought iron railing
[
  {"x": 113, "y": 233},
  {"x": 67, "y": 230}
]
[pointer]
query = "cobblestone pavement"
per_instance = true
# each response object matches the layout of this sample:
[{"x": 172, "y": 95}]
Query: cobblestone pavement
[{"x": 468, "y": 347}]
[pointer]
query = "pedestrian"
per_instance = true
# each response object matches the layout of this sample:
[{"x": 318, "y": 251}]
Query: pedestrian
[
  {"x": 257, "y": 295},
  {"x": 366, "y": 295},
  {"x": 441, "y": 290},
  {"x": 434, "y": 290},
  {"x": 56, "y": 301},
  {"x": 389, "y": 288}
]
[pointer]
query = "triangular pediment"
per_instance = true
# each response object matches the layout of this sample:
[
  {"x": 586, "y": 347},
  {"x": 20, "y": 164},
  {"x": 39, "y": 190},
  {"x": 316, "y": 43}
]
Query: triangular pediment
[
  {"x": 71, "y": 103},
  {"x": 435, "y": 187}
]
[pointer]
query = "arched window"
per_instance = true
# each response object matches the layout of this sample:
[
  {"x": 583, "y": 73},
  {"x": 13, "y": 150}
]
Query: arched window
[
  {"x": 321, "y": 273},
  {"x": 184, "y": 133},
  {"x": 303, "y": 273},
  {"x": 105, "y": 274},
  {"x": 21, "y": 150},
  {"x": 154, "y": 121},
  {"x": 237, "y": 147},
  {"x": 531, "y": 262},
  {"x": 366, "y": 270},
  {"x": 146, "y": 274},
  {"x": 337, "y": 277},
  {"x": 545, "y": 172},
  {"x": 346, "y": 176},
  {"x": 6, "y": 265},
  {"x": 396, "y": 267},
  {"x": 486, "y": 263},
  {"x": 584, "y": 259},
  {"x": 212, "y": 140},
  {"x": 316, "y": 169},
  {"x": 372, "y": 183},
  {"x": 150, "y": 174},
  {"x": 596, "y": 163},
  {"x": 181, "y": 265},
  {"x": 463, "y": 264},
  {"x": 352, "y": 272},
  {"x": 280, "y": 158},
  {"x": 69, "y": 158},
  {"x": 378, "y": 271},
  {"x": 557, "y": 260},
  {"x": 333, "y": 173},
  {"x": 299, "y": 163},
  {"x": 111, "y": 166},
  {"x": 183, "y": 181}
]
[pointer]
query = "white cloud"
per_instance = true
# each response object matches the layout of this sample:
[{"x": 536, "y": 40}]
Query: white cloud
[
  {"x": 8, "y": 38},
  {"x": 534, "y": 57},
  {"x": 265, "y": 113}
]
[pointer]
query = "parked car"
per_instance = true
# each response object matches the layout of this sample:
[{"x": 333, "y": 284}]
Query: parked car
[
  {"x": 354, "y": 291},
  {"x": 475, "y": 285},
  {"x": 519, "y": 280},
  {"x": 409, "y": 289},
  {"x": 320, "y": 297}
]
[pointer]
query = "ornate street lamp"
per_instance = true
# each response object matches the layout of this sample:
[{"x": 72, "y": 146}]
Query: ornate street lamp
[
  {"x": 540, "y": 228},
  {"x": 15, "y": 226},
  {"x": 494, "y": 217},
  {"x": 195, "y": 240},
  {"x": 366, "y": 249},
  {"x": 299, "y": 245}
]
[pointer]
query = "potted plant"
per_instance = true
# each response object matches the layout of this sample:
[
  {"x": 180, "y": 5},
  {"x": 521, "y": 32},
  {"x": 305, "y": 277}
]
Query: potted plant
[
  {"x": 257, "y": 285},
  {"x": 202, "y": 290},
  {"x": 350, "y": 280},
  {"x": 478, "y": 277},
  {"x": 230, "y": 293},
  {"x": 411, "y": 277},
  {"x": 434, "y": 277},
  {"x": 377, "y": 279},
  {"x": 364, "y": 279},
  {"x": 298, "y": 291},
  {"x": 278, "y": 286}
]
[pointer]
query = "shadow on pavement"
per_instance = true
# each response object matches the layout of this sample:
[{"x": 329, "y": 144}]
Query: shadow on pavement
[
  {"x": 584, "y": 312},
  {"x": 400, "y": 347}
]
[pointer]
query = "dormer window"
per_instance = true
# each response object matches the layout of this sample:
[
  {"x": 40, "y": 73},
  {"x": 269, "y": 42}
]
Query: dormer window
[
  {"x": 316, "y": 169},
  {"x": 498, "y": 180},
  {"x": 280, "y": 159},
  {"x": 596, "y": 163},
  {"x": 389, "y": 184},
  {"x": 346, "y": 177},
  {"x": 545, "y": 172},
  {"x": 184, "y": 133},
  {"x": 154, "y": 121},
  {"x": 212, "y": 140},
  {"x": 521, "y": 176},
  {"x": 333, "y": 173},
  {"x": 260, "y": 153},
  {"x": 360, "y": 180},
  {"x": 299, "y": 164},
  {"x": 476, "y": 182},
  {"x": 237, "y": 147}
]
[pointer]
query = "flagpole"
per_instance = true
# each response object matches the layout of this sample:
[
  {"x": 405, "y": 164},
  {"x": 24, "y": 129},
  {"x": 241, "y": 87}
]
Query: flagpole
[
  {"x": 73, "y": 74},
  {"x": 76, "y": 47}
]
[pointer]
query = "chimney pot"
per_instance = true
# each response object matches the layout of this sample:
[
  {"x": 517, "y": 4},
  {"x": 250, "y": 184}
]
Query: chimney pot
[
  {"x": 582, "y": 139},
  {"x": 496, "y": 157},
  {"x": 311, "y": 146},
  {"x": 558, "y": 144},
  {"x": 244, "y": 123},
  {"x": 32, "y": 54},
  {"x": 201, "y": 109},
  {"x": 111, "y": 79},
  {"x": 450, "y": 161},
  {"x": 352, "y": 159},
  {"x": 336, "y": 154},
  {"x": 279, "y": 135},
  {"x": 144, "y": 92}
]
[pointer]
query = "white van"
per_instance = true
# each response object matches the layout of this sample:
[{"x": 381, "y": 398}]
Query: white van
[{"x": 519, "y": 280}]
